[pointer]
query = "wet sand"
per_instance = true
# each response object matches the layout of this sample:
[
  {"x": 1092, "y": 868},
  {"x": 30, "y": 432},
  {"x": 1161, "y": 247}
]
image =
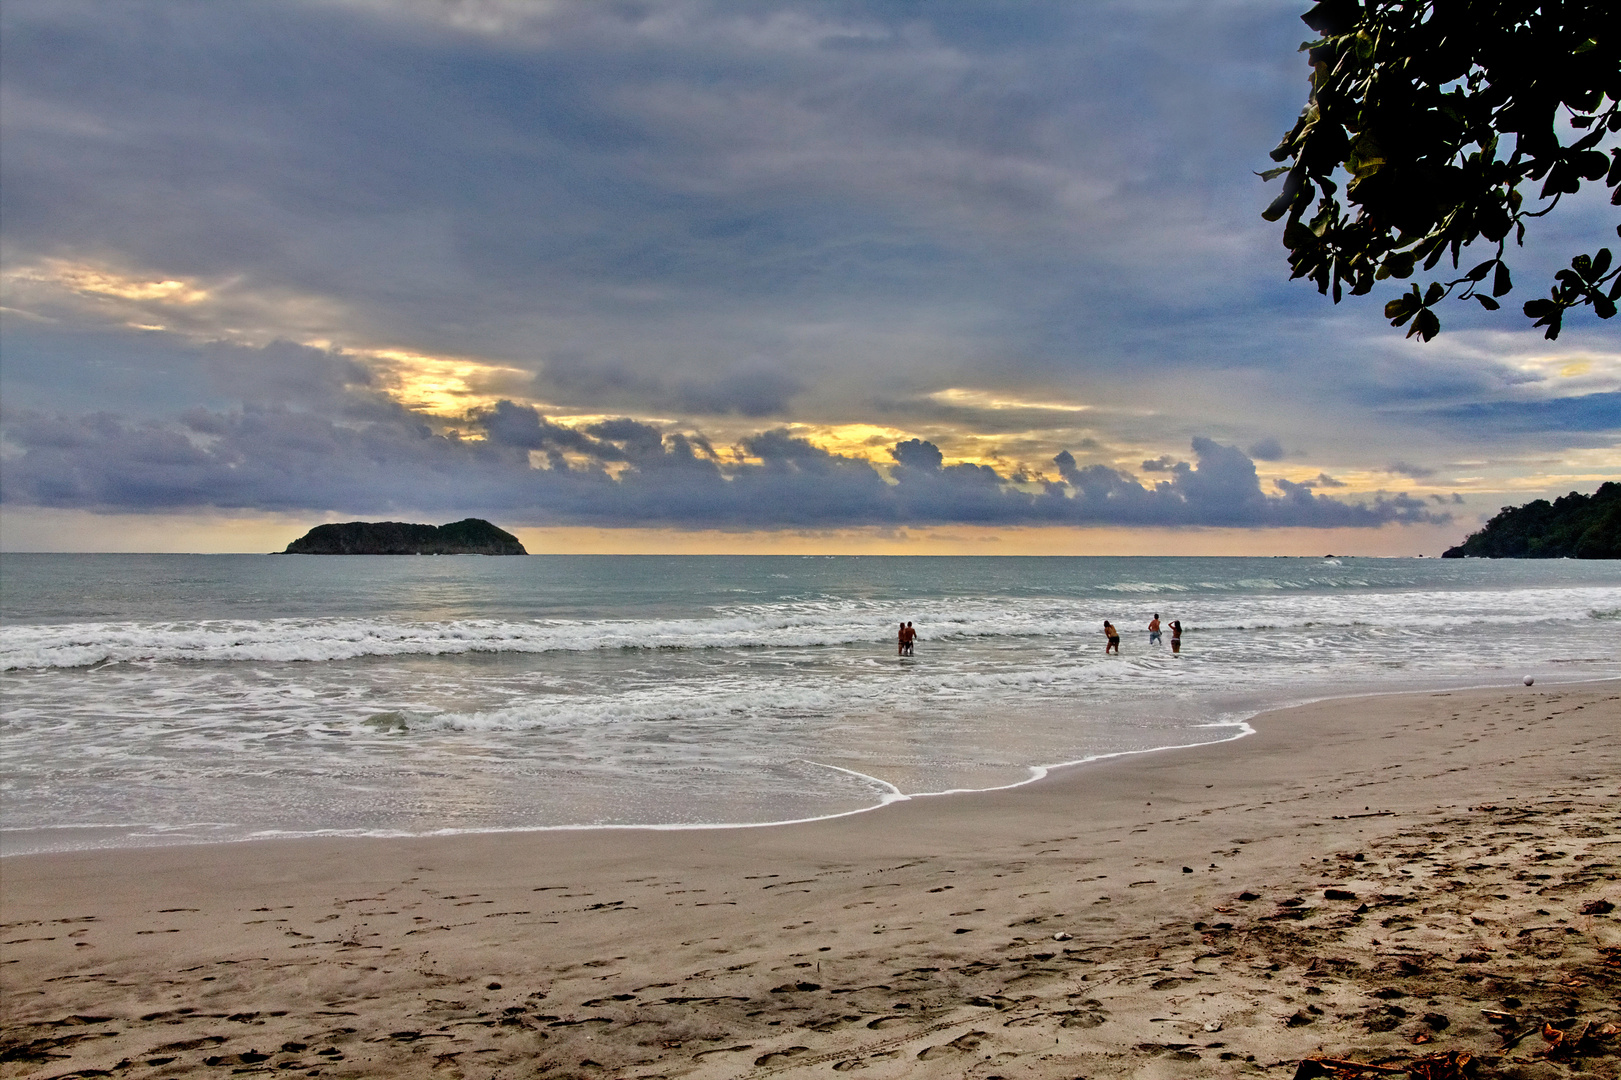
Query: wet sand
[{"x": 1371, "y": 879}]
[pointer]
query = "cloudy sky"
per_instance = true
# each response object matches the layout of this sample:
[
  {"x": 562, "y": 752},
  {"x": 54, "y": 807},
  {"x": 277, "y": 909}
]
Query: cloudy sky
[{"x": 842, "y": 276}]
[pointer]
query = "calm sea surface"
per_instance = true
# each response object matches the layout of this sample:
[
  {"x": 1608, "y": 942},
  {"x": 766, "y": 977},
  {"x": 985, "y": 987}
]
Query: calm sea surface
[{"x": 180, "y": 699}]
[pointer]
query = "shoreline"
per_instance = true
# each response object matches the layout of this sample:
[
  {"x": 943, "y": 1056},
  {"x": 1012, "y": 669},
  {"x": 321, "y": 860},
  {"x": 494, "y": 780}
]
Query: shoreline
[
  {"x": 1041, "y": 773},
  {"x": 1093, "y": 923}
]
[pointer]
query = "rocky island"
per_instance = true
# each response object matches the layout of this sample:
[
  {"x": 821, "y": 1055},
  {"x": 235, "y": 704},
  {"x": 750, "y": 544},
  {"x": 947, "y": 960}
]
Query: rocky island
[{"x": 470, "y": 536}]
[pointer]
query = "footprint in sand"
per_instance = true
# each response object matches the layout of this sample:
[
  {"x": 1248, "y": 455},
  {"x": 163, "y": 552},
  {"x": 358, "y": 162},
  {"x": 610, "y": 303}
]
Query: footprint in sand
[
  {"x": 700, "y": 1055},
  {"x": 962, "y": 1044}
]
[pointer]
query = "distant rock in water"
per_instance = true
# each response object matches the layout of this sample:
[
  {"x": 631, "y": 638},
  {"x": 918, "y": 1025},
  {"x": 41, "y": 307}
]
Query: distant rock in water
[
  {"x": 472, "y": 536},
  {"x": 1574, "y": 526}
]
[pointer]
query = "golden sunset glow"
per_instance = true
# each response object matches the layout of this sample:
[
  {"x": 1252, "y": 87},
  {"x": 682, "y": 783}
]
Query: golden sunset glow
[
  {"x": 866, "y": 442},
  {"x": 229, "y": 309},
  {"x": 1597, "y": 368},
  {"x": 91, "y": 281},
  {"x": 987, "y": 399},
  {"x": 439, "y": 384}
]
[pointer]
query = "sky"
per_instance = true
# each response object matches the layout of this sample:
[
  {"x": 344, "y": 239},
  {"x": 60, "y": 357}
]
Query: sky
[{"x": 869, "y": 277}]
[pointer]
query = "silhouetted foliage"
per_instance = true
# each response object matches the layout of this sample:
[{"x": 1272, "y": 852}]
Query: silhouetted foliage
[
  {"x": 470, "y": 536},
  {"x": 1434, "y": 113},
  {"x": 1574, "y": 526}
]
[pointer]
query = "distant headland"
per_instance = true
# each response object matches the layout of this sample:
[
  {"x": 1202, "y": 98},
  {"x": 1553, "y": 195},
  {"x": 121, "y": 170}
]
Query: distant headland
[
  {"x": 1575, "y": 526},
  {"x": 470, "y": 536}
]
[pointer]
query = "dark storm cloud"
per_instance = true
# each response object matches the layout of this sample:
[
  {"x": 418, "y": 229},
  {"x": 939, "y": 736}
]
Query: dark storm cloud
[
  {"x": 676, "y": 190},
  {"x": 988, "y": 420},
  {"x": 826, "y": 210},
  {"x": 147, "y": 373},
  {"x": 283, "y": 459},
  {"x": 1593, "y": 413},
  {"x": 745, "y": 391},
  {"x": 1403, "y": 468},
  {"x": 1268, "y": 449},
  {"x": 522, "y": 426}
]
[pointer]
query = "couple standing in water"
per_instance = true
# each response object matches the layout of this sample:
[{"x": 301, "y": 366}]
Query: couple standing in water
[
  {"x": 903, "y": 642},
  {"x": 1113, "y": 635}
]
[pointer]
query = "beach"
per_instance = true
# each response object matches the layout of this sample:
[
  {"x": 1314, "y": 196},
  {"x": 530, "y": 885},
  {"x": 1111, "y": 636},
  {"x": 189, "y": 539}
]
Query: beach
[{"x": 1374, "y": 879}]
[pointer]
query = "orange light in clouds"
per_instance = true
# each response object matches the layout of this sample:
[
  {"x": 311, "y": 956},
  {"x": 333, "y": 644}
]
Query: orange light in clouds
[
  {"x": 991, "y": 399},
  {"x": 442, "y": 385},
  {"x": 85, "y": 279}
]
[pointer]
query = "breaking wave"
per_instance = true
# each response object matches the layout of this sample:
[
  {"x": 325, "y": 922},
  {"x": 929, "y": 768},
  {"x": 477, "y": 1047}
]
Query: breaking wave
[{"x": 794, "y": 624}]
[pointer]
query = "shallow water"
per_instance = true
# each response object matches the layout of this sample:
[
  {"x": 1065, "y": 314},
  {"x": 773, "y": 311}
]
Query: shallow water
[{"x": 162, "y": 699}]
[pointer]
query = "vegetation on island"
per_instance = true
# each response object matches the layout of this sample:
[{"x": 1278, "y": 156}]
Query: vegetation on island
[
  {"x": 1574, "y": 526},
  {"x": 470, "y": 536},
  {"x": 1447, "y": 124}
]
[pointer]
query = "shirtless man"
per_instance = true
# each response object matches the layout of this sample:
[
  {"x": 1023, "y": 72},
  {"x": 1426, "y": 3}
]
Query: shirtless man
[
  {"x": 900, "y": 641},
  {"x": 1153, "y": 630},
  {"x": 911, "y": 636},
  {"x": 1114, "y": 638}
]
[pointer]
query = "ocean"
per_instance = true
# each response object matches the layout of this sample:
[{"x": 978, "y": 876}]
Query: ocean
[{"x": 170, "y": 699}]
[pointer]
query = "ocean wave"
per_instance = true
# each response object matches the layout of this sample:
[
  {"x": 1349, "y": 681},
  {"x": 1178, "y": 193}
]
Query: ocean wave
[{"x": 797, "y": 624}]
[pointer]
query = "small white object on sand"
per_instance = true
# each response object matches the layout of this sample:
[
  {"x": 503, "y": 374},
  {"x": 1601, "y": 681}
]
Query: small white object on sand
[{"x": 1529, "y": 680}]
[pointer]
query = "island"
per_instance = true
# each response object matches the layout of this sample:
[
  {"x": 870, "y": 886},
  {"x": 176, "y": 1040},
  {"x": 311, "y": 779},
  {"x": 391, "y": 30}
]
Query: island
[
  {"x": 1574, "y": 526},
  {"x": 470, "y": 536}
]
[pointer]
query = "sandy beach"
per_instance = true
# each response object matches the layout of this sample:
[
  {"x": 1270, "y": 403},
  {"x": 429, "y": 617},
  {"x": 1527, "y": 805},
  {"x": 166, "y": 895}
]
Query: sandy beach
[{"x": 1421, "y": 882}]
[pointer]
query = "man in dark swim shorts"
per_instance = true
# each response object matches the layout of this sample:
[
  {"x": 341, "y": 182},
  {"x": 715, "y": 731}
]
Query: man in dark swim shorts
[{"x": 1114, "y": 638}]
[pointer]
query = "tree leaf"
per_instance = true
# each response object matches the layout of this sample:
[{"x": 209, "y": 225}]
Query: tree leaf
[
  {"x": 1401, "y": 90},
  {"x": 1291, "y": 188},
  {"x": 1425, "y": 325},
  {"x": 1501, "y": 282},
  {"x": 1591, "y": 165}
]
